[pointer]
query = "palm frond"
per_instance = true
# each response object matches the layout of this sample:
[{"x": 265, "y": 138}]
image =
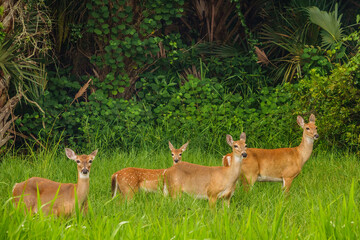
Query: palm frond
[
  {"x": 219, "y": 50},
  {"x": 19, "y": 71},
  {"x": 330, "y": 24}
]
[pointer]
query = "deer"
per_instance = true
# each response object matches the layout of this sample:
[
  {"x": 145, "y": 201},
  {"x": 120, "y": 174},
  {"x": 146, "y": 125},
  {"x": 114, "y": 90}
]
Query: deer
[
  {"x": 209, "y": 182},
  {"x": 129, "y": 181},
  {"x": 57, "y": 198},
  {"x": 277, "y": 165}
]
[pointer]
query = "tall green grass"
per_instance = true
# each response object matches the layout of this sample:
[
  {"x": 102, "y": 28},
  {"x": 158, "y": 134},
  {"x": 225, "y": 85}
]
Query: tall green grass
[{"x": 323, "y": 202}]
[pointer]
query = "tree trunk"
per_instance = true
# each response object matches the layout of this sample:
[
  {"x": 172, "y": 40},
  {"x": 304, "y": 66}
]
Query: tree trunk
[{"x": 5, "y": 122}]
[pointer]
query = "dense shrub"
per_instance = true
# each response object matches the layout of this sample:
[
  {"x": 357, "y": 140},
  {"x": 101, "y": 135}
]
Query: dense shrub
[
  {"x": 335, "y": 98},
  {"x": 202, "y": 110},
  {"x": 129, "y": 38}
]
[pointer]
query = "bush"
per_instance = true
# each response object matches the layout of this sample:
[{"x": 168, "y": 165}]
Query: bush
[
  {"x": 202, "y": 110},
  {"x": 335, "y": 99}
]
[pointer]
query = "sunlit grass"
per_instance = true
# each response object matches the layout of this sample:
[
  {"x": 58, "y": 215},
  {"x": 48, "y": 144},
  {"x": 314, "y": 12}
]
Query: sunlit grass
[{"x": 323, "y": 202}]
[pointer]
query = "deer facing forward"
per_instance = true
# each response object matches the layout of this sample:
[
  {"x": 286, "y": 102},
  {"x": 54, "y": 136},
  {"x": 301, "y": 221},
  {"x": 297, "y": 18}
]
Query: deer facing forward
[
  {"x": 278, "y": 165},
  {"x": 57, "y": 198}
]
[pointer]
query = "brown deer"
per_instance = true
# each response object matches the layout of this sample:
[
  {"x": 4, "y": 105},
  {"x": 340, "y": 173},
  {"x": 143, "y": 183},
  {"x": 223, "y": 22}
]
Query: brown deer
[
  {"x": 278, "y": 165},
  {"x": 130, "y": 180},
  {"x": 57, "y": 198},
  {"x": 204, "y": 181}
]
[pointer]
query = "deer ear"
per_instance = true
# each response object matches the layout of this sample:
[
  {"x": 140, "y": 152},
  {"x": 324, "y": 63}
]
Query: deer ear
[
  {"x": 93, "y": 154},
  {"x": 312, "y": 118},
  {"x": 300, "y": 121},
  {"x": 229, "y": 140},
  {"x": 183, "y": 147},
  {"x": 243, "y": 136},
  {"x": 171, "y": 146},
  {"x": 70, "y": 154}
]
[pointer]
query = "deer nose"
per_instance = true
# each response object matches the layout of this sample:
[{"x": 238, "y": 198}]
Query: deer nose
[
  {"x": 84, "y": 171},
  {"x": 244, "y": 155},
  {"x": 176, "y": 160},
  {"x": 316, "y": 136}
]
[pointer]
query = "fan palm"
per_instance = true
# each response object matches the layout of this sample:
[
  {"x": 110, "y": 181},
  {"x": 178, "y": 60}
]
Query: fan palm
[
  {"x": 291, "y": 28},
  {"x": 330, "y": 23}
]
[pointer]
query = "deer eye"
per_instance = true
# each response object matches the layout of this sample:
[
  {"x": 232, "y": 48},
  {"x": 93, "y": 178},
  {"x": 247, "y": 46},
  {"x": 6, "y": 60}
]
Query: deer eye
[
  {"x": 90, "y": 161},
  {"x": 180, "y": 154},
  {"x": 78, "y": 161},
  {"x": 307, "y": 128},
  {"x": 172, "y": 154},
  {"x": 236, "y": 146}
]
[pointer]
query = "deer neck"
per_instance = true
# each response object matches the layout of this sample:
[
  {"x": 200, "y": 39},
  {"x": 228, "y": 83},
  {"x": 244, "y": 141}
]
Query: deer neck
[
  {"x": 305, "y": 148},
  {"x": 82, "y": 187}
]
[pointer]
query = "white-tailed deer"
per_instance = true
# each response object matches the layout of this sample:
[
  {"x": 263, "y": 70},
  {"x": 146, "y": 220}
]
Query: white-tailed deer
[
  {"x": 130, "y": 180},
  {"x": 204, "y": 181},
  {"x": 57, "y": 198},
  {"x": 278, "y": 165}
]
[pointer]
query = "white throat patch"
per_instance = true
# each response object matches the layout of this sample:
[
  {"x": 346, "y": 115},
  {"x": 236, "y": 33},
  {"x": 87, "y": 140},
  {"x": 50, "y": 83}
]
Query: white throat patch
[
  {"x": 238, "y": 159},
  {"x": 309, "y": 140},
  {"x": 81, "y": 175}
]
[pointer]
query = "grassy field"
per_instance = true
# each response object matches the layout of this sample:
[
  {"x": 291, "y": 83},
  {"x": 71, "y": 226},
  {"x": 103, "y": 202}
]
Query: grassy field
[{"x": 323, "y": 202}]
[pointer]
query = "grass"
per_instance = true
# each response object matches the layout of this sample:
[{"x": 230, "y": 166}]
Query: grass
[{"x": 323, "y": 202}]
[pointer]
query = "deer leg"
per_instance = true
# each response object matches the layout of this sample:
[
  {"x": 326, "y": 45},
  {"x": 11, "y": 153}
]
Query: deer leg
[
  {"x": 128, "y": 194},
  {"x": 126, "y": 191},
  {"x": 248, "y": 181},
  {"x": 227, "y": 201},
  {"x": 85, "y": 207},
  {"x": 287, "y": 183},
  {"x": 245, "y": 183},
  {"x": 212, "y": 201},
  {"x": 175, "y": 192}
]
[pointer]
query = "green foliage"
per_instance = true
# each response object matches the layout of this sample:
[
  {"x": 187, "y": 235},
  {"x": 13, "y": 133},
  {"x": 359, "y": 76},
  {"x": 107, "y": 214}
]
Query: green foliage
[
  {"x": 294, "y": 27},
  {"x": 235, "y": 69},
  {"x": 212, "y": 111},
  {"x": 166, "y": 108},
  {"x": 129, "y": 36},
  {"x": 336, "y": 98},
  {"x": 20, "y": 72},
  {"x": 316, "y": 59},
  {"x": 330, "y": 23},
  {"x": 285, "y": 35},
  {"x": 2, "y": 33},
  {"x": 150, "y": 83}
]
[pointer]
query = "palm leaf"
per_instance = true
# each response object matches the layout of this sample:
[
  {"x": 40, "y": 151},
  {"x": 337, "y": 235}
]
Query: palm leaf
[
  {"x": 330, "y": 24},
  {"x": 22, "y": 72}
]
